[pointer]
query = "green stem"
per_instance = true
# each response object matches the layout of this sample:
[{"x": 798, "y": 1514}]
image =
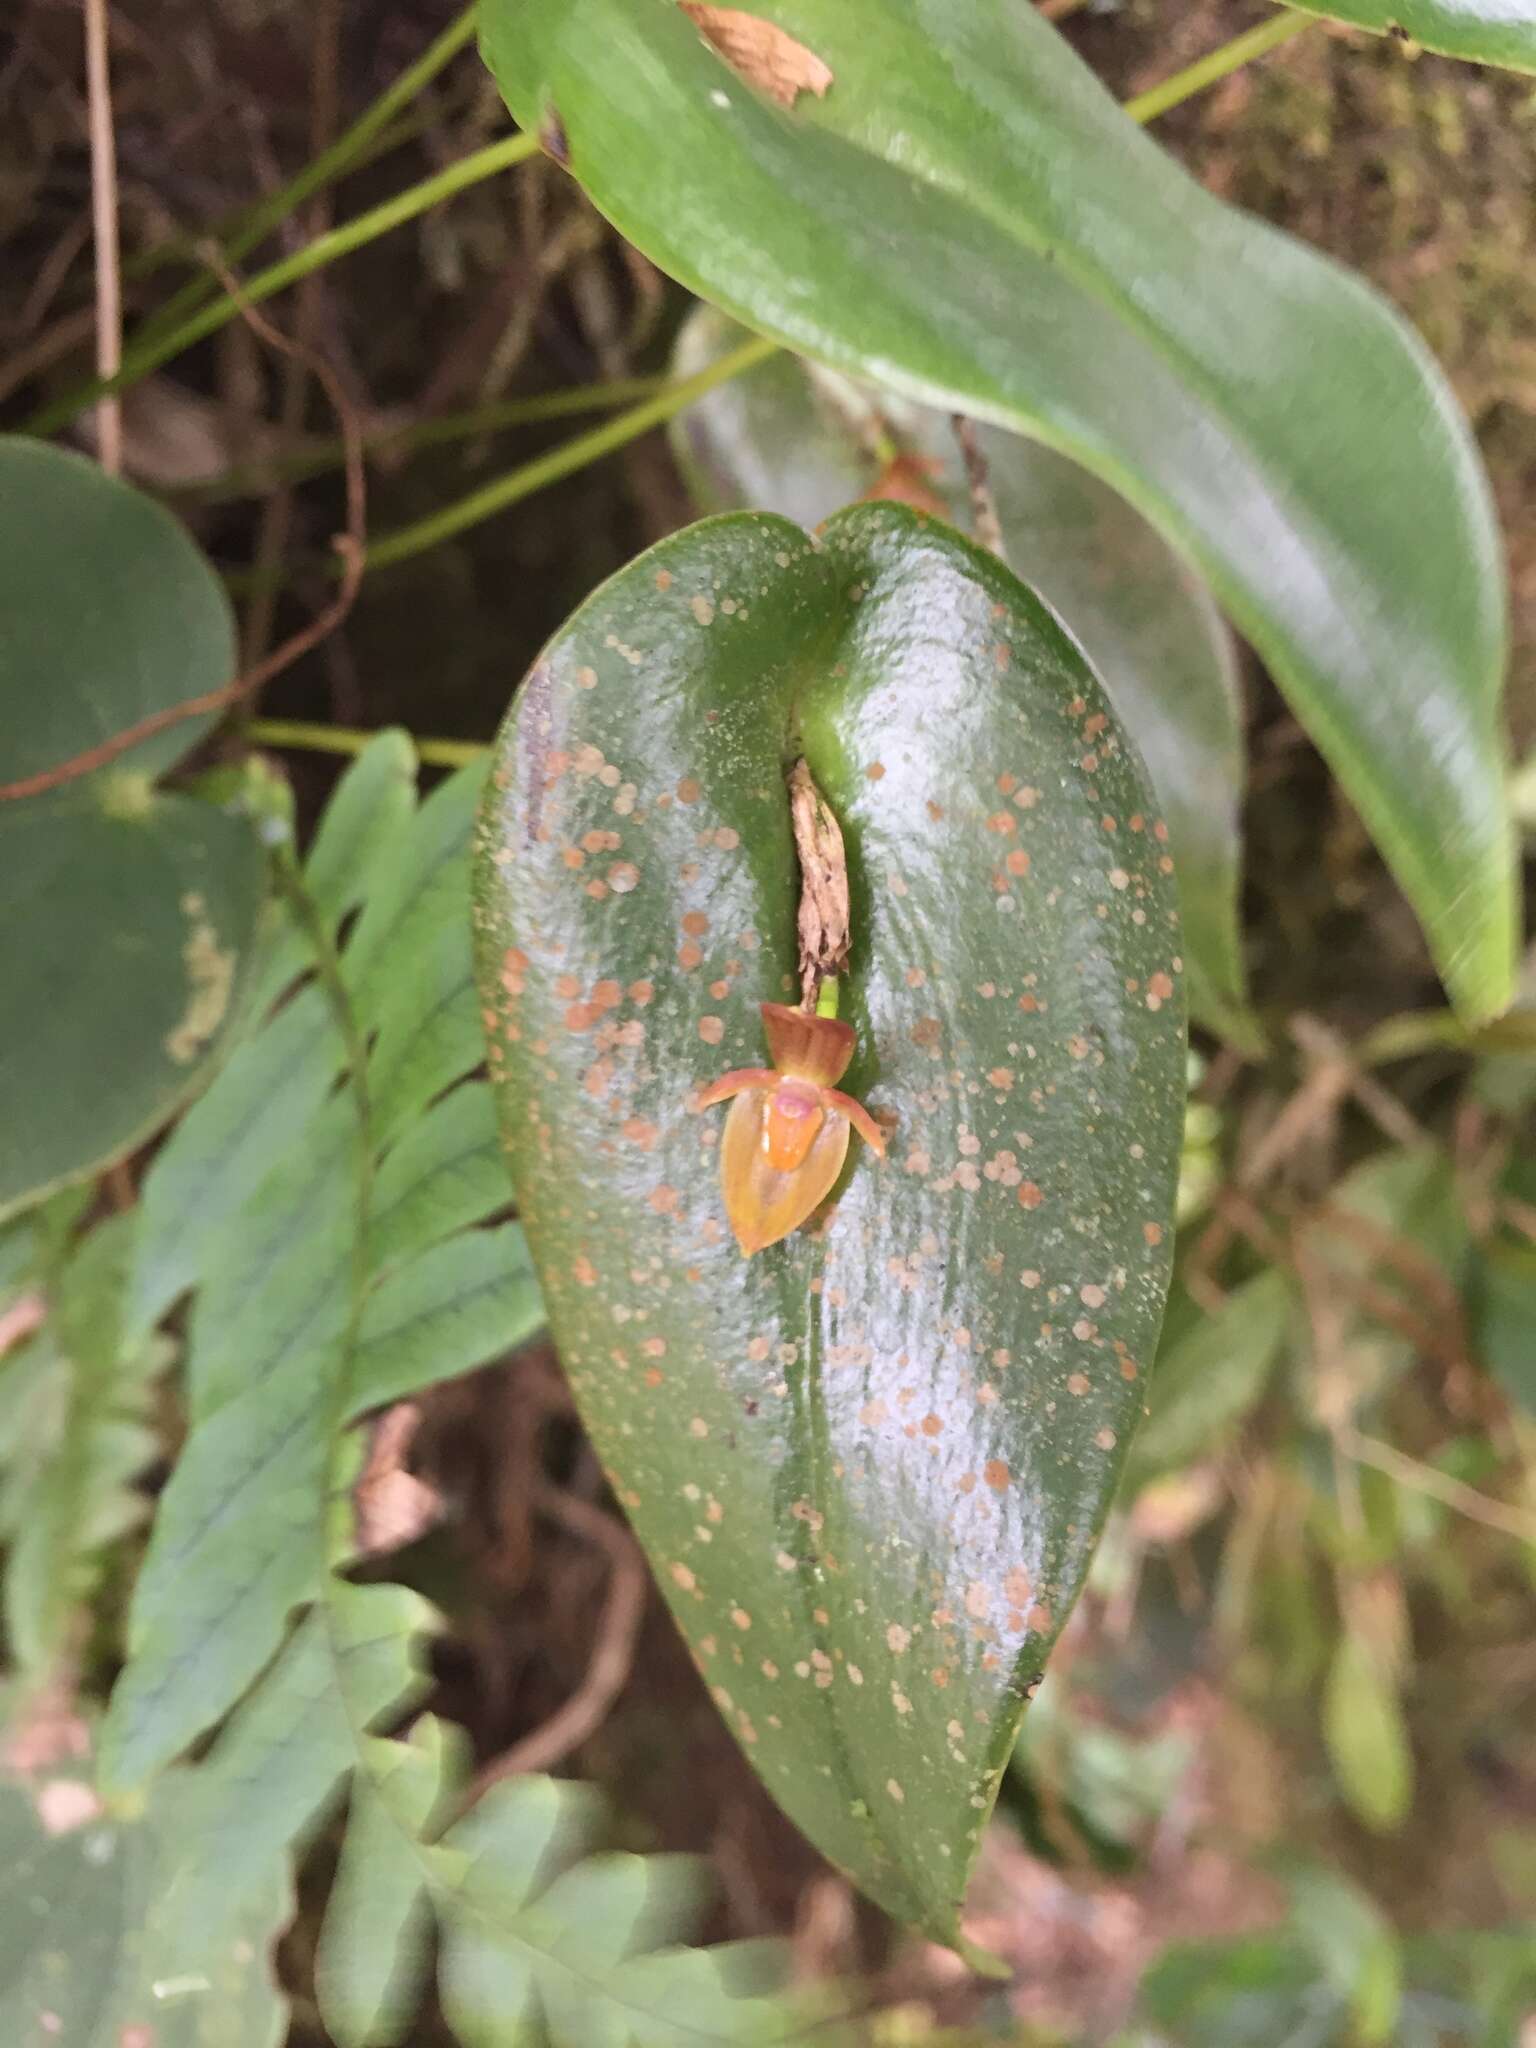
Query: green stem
[
  {"x": 348, "y": 150},
  {"x": 344, "y": 739},
  {"x": 570, "y": 456},
  {"x": 142, "y": 356},
  {"x": 254, "y": 479},
  {"x": 826, "y": 997},
  {"x": 1183, "y": 85},
  {"x": 573, "y": 455}
]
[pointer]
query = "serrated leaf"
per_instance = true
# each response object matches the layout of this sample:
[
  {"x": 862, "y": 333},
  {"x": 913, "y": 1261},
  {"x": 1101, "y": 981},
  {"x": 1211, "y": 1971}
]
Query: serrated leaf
[
  {"x": 789, "y": 437},
  {"x": 1482, "y": 31},
  {"x": 275, "y": 1282},
  {"x": 415, "y": 892},
  {"x": 139, "y": 908},
  {"x": 967, "y": 216},
  {"x": 870, "y": 1463}
]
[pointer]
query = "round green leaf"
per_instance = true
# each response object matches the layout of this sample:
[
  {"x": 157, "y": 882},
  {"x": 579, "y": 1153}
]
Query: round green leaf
[
  {"x": 128, "y": 932},
  {"x": 791, "y": 438},
  {"x": 126, "y": 914},
  {"x": 869, "y": 1464},
  {"x": 109, "y": 613},
  {"x": 954, "y": 205}
]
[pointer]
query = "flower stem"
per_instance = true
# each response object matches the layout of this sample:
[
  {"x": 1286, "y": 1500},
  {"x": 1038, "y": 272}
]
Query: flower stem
[
  {"x": 344, "y": 739},
  {"x": 568, "y": 457},
  {"x": 1232, "y": 56},
  {"x": 344, "y": 154}
]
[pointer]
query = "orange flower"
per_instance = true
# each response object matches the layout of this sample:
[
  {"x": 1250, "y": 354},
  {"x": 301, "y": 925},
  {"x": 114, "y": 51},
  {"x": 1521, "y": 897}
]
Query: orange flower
[{"x": 787, "y": 1134}]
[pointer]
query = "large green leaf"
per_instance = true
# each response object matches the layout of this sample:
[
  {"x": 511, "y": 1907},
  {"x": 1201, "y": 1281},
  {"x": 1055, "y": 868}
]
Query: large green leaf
[
  {"x": 1483, "y": 31},
  {"x": 966, "y": 215},
  {"x": 128, "y": 913},
  {"x": 88, "y": 1951},
  {"x": 792, "y": 438},
  {"x": 111, "y": 614},
  {"x": 870, "y": 1463}
]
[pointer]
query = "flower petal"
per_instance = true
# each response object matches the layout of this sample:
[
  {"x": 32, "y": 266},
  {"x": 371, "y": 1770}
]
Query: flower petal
[
  {"x": 811, "y": 1048},
  {"x": 762, "y": 1203}
]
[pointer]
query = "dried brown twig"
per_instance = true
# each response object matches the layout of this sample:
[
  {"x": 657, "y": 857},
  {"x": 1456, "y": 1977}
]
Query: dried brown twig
[{"x": 613, "y": 1652}]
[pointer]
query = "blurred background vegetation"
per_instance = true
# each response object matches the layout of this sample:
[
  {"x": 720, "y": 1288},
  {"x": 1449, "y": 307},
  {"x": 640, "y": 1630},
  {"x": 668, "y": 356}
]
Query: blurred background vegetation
[{"x": 1280, "y": 1786}]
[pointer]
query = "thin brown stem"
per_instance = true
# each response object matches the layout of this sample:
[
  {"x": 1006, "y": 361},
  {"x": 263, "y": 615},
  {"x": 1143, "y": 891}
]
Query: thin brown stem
[
  {"x": 109, "y": 295},
  {"x": 613, "y": 1652}
]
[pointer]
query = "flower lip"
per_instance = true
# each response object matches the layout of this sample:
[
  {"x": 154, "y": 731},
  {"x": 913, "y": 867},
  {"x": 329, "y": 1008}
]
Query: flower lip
[{"x": 807, "y": 1047}]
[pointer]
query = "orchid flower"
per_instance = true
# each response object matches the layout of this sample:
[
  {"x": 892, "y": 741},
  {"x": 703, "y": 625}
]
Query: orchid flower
[{"x": 787, "y": 1134}]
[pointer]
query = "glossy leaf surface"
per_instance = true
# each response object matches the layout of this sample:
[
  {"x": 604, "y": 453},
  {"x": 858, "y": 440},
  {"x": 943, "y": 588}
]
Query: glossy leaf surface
[
  {"x": 870, "y": 1462},
  {"x": 967, "y": 216},
  {"x": 791, "y": 437},
  {"x": 1482, "y": 31},
  {"x": 127, "y": 913}
]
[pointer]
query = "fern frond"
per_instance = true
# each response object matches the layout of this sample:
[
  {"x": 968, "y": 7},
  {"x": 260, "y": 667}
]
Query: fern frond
[
  {"x": 357, "y": 1259},
  {"x": 76, "y": 1431}
]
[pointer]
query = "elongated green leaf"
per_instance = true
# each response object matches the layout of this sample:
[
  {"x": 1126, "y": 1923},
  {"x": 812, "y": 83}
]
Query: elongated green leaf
[
  {"x": 1367, "y": 1740},
  {"x": 370, "y": 810},
  {"x": 1504, "y": 1307},
  {"x": 445, "y": 1173},
  {"x": 1483, "y": 31},
  {"x": 381, "y": 1907},
  {"x": 133, "y": 911},
  {"x": 237, "y": 1547},
  {"x": 871, "y": 1462},
  {"x": 1209, "y": 1379},
  {"x": 226, "y": 1145},
  {"x": 443, "y": 1313},
  {"x": 507, "y": 1881},
  {"x": 965, "y": 214},
  {"x": 792, "y": 438},
  {"x": 275, "y": 1284}
]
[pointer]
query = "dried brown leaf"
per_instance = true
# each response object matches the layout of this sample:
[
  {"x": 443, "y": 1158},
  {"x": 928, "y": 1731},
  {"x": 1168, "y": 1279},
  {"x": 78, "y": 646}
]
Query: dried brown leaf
[
  {"x": 759, "y": 51},
  {"x": 392, "y": 1506},
  {"x": 824, "y": 915}
]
